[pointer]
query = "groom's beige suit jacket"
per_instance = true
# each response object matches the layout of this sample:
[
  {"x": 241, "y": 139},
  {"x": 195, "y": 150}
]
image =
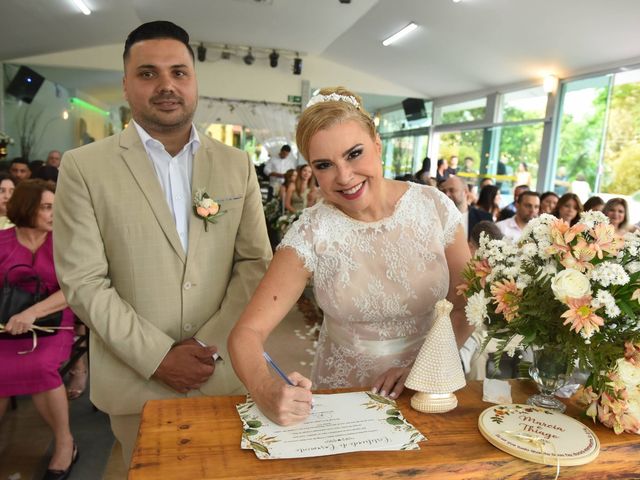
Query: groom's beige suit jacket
[{"x": 124, "y": 272}]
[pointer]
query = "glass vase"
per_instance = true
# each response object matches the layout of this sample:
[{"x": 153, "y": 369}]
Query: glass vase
[{"x": 550, "y": 371}]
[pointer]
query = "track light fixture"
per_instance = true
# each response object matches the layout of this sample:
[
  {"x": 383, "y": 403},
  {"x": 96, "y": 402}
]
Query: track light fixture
[
  {"x": 202, "y": 52},
  {"x": 249, "y": 58},
  {"x": 273, "y": 59},
  {"x": 297, "y": 66}
]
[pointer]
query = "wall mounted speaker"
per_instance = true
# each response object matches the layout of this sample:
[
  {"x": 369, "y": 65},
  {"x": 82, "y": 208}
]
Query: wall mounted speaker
[
  {"x": 25, "y": 84},
  {"x": 414, "y": 108}
]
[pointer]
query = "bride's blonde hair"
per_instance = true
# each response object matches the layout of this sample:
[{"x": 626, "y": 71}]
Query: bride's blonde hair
[{"x": 328, "y": 112}]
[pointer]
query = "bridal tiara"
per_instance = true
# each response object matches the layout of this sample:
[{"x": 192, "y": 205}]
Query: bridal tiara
[{"x": 333, "y": 97}]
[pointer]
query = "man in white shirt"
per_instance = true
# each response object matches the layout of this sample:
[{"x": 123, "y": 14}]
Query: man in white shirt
[
  {"x": 276, "y": 167},
  {"x": 456, "y": 189},
  {"x": 527, "y": 207}
]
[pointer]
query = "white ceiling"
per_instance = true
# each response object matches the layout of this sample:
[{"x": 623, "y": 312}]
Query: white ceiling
[{"x": 459, "y": 47}]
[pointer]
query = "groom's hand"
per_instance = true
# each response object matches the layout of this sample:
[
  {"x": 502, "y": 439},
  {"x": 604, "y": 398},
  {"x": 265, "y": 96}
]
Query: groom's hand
[{"x": 185, "y": 367}]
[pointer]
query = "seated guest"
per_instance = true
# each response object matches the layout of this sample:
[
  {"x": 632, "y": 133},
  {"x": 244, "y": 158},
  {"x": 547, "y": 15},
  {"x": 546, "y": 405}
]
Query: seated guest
[
  {"x": 46, "y": 173},
  {"x": 527, "y": 207},
  {"x": 594, "y": 203},
  {"x": 7, "y": 186},
  {"x": 485, "y": 181},
  {"x": 489, "y": 200},
  {"x": 367, "y": 245},
  {"x": 423, "y": 175},
  {"x": 53, "y": 159},
  {"x": 298, "y": 191},
  {"x": 487, "y": 227},
  {"x": 456, "y": 189},
  {"x": 36, "y": 373},
  {"x": 618, "y": 212},
  {"x": 289, "y": 178},
  {"x": 511, "y": 208},
  {"x": 548, "y": 202},
  {"x": 19, "y": 169},
  {"x": 569, "y": 208}
]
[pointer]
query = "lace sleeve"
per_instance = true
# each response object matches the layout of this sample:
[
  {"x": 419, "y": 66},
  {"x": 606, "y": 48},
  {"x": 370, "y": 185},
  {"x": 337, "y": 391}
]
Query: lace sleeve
[
  {"x": 299, "y": 237},
  {"x": 449, "y": 215}
]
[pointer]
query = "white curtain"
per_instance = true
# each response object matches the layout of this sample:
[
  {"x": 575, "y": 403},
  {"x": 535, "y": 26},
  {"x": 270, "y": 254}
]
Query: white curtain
[{"x": 273, "y": 124}]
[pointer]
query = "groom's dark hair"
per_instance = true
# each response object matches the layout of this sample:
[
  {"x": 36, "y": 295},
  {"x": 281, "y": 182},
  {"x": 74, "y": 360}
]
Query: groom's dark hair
[{"x": 154, "y": 30}]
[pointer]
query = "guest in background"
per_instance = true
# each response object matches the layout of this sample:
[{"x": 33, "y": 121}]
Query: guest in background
[
  {"x": 511, "y": 208},
  {"x": 298, "y": 191},
  {"x": 7, "y": 186},
  {"x": 523, "y": 177},
  {"x": 485, "y": 181},
  {"x": 36, "y": 373},
  {"x": 527, "y": 207},
  {"x": 489, "y": 200},
  {"x": 53, "y": 159},
  {"x": 423, "y": 175},
  {"x": 46, "y": 173},
  {"x": 442, "y": 172},
  {"x": 487, "y": 227},
  {"x": 455, "y": 188},
  {"x": 289, "y": 178},
  {"x": 569, "y": 208},
  {"x": 548, "y": 202},
  {"x": 276, "y": 167},
  {"x": 618, "y": 212},
  {"x": 594, "y": 203},
  {"x": 452, "y": 169},
  {"x": 561, "y": 182},
  {"x": 19, "y": 169}
]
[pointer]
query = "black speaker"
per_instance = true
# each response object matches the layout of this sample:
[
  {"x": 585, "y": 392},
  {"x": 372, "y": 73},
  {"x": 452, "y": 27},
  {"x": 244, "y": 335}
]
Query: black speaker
[
  {"x": 25, "y": 84},
  {"x": 414, "y": 108}
]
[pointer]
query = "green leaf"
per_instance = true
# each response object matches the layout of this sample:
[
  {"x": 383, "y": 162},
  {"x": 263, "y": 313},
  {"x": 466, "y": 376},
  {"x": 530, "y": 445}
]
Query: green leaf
[
  {"x": 394, "y": 421},
  {"x": 393, "y": 412},
  {"x": 259, "y": 447},
  {"x": 254, "y": 423},
  {"x": 251, "y": 431}
]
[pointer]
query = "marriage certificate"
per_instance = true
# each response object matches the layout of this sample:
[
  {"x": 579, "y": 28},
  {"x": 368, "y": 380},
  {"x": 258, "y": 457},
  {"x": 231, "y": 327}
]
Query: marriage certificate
[{"x": 339, "y": 423}]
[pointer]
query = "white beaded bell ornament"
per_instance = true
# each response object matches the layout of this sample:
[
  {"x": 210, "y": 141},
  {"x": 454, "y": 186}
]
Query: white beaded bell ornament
[{"x": 437, "y": 371}]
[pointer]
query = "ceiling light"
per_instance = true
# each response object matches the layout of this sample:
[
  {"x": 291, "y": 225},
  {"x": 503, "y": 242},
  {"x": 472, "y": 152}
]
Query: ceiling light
[
  {"x": 397, "y": 36},
  {"x": 202, "y": 52},
  {"x": 65, "y": 114},
  {"x": 273, "y": 59},
  {"x": 83, "y": 8},
  {"x": 549, "y": 83},
  {"x": 457, "y": 1},
  {"x": 249, "y": 58},
  {"x": 297, "y": 66}
]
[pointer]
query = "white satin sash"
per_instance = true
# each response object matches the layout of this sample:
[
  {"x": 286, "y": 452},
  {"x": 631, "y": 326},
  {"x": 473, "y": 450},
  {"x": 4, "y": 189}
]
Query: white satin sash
[{"x": 380, "y": 348}]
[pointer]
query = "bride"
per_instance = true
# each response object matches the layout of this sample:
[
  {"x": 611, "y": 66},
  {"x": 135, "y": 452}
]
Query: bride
[{"x": 381, "y": 253}]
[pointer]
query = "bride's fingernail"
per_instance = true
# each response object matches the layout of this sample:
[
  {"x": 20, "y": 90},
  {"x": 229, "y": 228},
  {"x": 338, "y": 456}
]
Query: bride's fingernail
[
  {"x": 374, "y": 390},
  {"x": 383, "y": 393},
  {"x": 392, "y": 395}
]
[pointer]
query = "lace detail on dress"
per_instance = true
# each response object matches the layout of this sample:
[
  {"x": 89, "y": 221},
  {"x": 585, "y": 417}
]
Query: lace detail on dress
[{"x": 377, "y": 282}]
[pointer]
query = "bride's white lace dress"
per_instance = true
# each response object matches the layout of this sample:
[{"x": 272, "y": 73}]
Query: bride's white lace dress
[{"x": 377, "y": 282}]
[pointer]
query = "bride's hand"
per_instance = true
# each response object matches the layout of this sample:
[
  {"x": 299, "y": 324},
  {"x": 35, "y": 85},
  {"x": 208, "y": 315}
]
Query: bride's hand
[
  {"x": 282, "y": 403},
  {"x": 391, "y": 382}
]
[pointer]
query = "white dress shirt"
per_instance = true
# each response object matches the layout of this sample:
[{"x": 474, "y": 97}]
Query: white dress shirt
[
  {"x": 174, "y": 175},
  {"x": 510, "y": 229}
]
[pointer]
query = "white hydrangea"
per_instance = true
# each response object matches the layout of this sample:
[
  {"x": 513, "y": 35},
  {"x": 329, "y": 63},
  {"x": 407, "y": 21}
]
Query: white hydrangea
[
  {"x": 609, "y": 273},
  {"x": 523, "y": 281},
  {"x": 529, "y": 250},
  {"x": 604, "y": 299},
  {"x": 633, "y": 267},
  {"x": 632, "y": 243},
  {"x": 593, "y": 217},
  {"x": 549, "y": 269},
  {"x": 476, "y": 308}
]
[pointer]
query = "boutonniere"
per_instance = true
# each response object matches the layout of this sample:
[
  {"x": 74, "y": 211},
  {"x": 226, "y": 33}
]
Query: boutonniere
[{"x": 206, "y": 208}]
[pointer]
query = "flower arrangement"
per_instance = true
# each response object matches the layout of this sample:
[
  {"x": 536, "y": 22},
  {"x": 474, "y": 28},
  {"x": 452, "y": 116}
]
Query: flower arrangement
[
  {"x": 206, "y": 208},
  {"x": 577, "y": 287}
]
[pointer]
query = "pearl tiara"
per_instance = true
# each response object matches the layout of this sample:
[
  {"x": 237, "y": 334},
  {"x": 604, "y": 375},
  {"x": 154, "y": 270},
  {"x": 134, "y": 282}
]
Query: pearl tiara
[{"x": 333, "y": 97}]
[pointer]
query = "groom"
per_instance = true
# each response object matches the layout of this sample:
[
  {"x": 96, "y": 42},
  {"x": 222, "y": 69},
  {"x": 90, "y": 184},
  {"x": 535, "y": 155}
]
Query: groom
[{"x": 159, "y": 292}]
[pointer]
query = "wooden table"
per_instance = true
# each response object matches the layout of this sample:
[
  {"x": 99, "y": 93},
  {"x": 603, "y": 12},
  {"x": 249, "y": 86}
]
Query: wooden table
[{"x": 199, "y": 438}]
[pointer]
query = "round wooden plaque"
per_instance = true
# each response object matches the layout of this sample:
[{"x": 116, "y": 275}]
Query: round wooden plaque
[{"x": 538, "y": 435}]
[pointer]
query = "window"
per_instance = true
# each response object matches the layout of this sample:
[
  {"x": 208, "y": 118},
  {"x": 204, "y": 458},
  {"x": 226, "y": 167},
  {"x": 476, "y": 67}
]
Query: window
[
  {"x": 403, "y": 155},
  {"x": 463, "y": 112}
]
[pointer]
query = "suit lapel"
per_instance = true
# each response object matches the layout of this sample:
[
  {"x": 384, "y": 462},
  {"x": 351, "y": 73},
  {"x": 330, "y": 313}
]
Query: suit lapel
[
  {"x": 142, "y": 170},
  {"x": 200, "y": 178}
]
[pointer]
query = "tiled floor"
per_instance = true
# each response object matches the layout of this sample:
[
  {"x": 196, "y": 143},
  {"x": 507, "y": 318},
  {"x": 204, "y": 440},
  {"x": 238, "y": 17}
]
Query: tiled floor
[{"x": 25, "y": 440}]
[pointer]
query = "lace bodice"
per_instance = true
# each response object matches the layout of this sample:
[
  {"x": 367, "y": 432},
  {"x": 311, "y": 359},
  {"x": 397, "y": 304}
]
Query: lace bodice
[{"x": 376, "y": 282}]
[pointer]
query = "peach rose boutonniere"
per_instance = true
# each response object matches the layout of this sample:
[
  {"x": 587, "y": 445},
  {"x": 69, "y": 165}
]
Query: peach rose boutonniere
[{"x": 206, "y": 208}]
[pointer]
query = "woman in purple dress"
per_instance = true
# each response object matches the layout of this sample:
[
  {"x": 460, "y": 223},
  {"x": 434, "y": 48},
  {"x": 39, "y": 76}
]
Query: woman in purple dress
[{"x": 36, "y": 372}]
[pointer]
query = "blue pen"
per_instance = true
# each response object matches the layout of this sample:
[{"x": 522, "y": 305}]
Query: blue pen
[{"x": 277, "y": 369}]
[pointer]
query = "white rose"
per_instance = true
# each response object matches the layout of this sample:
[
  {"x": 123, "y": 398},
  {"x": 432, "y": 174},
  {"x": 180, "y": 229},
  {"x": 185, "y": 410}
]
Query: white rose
[
  {"x": 206, "y": 202},
  {"x": 629, "y": 373},
  {"x": 570, "y": 283}
]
